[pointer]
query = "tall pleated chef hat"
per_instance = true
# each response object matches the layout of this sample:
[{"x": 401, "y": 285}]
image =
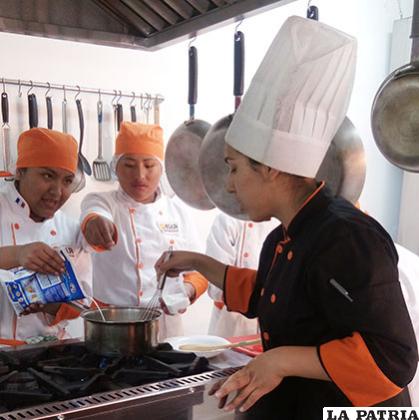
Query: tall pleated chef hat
[
  {"x": 43, "y": 148},
  {"x": 297, "y": 99}
]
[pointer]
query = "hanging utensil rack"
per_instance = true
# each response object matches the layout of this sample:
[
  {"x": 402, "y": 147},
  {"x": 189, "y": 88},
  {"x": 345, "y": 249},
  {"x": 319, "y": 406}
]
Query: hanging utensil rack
[{"x": 75, "y": 88}]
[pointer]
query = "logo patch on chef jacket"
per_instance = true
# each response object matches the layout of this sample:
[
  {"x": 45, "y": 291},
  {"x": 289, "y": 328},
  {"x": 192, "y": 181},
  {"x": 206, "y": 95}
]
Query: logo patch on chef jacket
[{"x": 170, "y": 228}]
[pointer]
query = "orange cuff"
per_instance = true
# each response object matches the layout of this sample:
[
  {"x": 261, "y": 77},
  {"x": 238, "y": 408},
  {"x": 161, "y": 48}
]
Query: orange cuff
[
  {"x": 352, "y": 368},
  {"x": 11, "y": 342},
  {"x": 65, "y": 312},
  {"x": 238, "y": 288},
  {"x": 99, "y": 303},
  {"x": 198, "y": 281},
  {"x": 86, "y": 220}
]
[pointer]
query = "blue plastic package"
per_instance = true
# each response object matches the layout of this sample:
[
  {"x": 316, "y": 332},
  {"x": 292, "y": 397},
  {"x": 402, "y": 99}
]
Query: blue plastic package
[{"x": 24, "y": 287}]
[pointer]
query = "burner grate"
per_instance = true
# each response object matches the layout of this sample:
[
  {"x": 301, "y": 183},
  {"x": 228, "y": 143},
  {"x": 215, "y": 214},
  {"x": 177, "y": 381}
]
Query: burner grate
[{"x": 119, "y": 397}]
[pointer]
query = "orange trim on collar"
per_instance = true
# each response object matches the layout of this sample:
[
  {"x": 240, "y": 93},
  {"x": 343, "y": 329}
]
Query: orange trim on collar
[{"x": 306, "y": 201}]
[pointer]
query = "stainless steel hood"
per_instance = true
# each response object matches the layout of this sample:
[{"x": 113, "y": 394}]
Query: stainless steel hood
[{"x": 138, "y": 24}]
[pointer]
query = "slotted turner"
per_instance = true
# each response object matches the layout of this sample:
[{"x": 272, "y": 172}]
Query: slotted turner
[{"x": 101, "y": 169}]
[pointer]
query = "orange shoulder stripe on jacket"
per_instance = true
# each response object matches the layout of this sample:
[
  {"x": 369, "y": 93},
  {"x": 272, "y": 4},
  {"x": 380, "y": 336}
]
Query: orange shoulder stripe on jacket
[
  {"x": 238, "y": 288},
  {"x": 198, "y": 281},
  {"x": 352, "y": 368}
]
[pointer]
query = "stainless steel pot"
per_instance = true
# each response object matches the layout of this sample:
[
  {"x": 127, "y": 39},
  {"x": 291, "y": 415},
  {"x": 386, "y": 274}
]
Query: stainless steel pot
[{"x": 124, "y": 333}]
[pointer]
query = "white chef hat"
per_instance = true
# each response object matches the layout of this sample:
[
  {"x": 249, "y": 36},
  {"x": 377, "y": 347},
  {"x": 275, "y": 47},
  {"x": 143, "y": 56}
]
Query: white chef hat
[{"x": 297, "y": 99}]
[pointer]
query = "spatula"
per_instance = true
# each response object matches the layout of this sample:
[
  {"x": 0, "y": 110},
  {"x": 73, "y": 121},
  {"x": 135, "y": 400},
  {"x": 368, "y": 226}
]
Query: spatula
[
  {"x": 200, "y": 347},
  {"x": 101, "y": 170}
]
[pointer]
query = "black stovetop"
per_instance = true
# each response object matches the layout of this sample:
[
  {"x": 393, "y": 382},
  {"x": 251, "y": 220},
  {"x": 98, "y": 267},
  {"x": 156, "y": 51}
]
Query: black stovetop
[{"x": 55, "y": 373}]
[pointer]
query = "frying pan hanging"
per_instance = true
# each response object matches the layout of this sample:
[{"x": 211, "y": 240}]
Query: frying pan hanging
[
  {"x": 214, "y": 170},
  {"x": 395, "y": 110},
  {"x": 182, "y": 152}
]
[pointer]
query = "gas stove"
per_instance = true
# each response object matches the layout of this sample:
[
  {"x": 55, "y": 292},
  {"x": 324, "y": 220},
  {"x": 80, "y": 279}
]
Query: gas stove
[{"x": 66, "y": 381}]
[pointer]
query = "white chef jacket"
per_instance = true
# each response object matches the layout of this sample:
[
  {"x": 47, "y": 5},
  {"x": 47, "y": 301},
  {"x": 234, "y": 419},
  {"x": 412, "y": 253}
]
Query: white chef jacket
[
  {"x": 125, "y": 275},
  {"x": 408, "y": 267},
  {"x": 17, "y": 228},
  {"x": 234, "y": 242}
]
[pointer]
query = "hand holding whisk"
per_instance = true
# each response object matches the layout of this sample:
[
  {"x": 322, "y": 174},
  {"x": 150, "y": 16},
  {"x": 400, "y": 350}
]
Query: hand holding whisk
[{"x": 154, "y": 302}]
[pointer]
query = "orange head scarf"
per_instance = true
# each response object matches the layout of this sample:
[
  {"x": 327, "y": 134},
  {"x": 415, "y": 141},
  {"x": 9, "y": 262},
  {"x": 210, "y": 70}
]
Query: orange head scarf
[
  {"x": 43, "y": 148},
  {"x": 137, "y": 138}
]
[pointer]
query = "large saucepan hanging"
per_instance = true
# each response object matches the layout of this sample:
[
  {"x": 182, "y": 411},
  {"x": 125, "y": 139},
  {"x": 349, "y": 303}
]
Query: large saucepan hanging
[
  {"x": 395, "y": 110},
  {"x": 344, "y": 168},
  {"x": 214, "y": 170},
  {"x": 182, "y": 150}
]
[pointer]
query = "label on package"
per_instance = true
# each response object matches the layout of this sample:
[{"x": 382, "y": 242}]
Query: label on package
[{"x": 24, "y": 287}]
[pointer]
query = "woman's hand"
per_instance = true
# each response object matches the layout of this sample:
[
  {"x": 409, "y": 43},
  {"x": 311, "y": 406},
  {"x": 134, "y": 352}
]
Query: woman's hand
[
  {"x": 178, "y": 262},
  {"x": 260, "y": 376},
  {"x": 101, "y": 232},
  {"x": 265, "y": 372},
  {"x": 39, "y": 257}
]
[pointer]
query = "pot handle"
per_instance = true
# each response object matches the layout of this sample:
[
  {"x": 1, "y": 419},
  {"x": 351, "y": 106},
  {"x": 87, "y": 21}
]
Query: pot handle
[
  {"x": 192, "y": 81},
  {"x": 48, "y": 101},
  {"x": 119, "y": 116},
  {"x": 33, "y": 110},
  {"x": 238, "y": 67},
  {"x": 5, "y": 108}
]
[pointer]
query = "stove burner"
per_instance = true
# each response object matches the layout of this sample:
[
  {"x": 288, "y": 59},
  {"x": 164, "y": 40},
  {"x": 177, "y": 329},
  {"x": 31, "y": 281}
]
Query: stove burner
[
  {"x": 55, "y": 373},
  {"x": 20, "y": 382}
]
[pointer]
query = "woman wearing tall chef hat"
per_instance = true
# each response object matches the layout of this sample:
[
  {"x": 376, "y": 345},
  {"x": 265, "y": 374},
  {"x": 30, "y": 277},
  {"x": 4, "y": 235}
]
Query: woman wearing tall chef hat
[
  {"x": 130, "y": 227},
  {"x": 334, "y": 325},
  {"x": 32, "y": 225}
]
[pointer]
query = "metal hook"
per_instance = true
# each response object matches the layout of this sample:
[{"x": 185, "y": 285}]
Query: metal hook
[
  {"x": 78, "y": 92},
  {"x": 30, "y": 87},
  {"x": 148, "y": 103},
  {"x": 400, "y": 9},
  {"x": 114, "y": 98},
  {"x": 240, "y": 22},
  {"x": 19, "y": 92},
  {"x": 100, "y": 95},
  {"x": 4, "y": 87},
  {"x": 191, "y": 41},
  {"x": 131, "y": 103},
  {"x": 308, "y": 3},
  {"x": 119, "y": 97},
  {"x": 49, "y": 88},
  {"x": 65, "y": 97}
]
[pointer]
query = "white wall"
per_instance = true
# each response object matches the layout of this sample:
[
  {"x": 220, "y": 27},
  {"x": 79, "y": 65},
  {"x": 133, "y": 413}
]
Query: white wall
[{"x": 165, "y": 72}]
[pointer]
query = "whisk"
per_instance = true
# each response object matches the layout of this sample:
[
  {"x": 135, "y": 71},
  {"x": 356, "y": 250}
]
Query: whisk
[{"x": 154, "y": 302}]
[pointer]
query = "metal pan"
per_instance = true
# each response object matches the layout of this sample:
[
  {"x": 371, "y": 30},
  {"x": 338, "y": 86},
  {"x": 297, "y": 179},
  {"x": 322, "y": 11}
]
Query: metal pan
[
  {"x": 182, "y": 152},
  {"x": 395, "y": 110},
  {"x": 344, "y": 168},
  {"x": 213, "y": 169}
]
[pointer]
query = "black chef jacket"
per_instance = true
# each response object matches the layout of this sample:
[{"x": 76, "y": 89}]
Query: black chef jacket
[{"x": 358, "y": 321}]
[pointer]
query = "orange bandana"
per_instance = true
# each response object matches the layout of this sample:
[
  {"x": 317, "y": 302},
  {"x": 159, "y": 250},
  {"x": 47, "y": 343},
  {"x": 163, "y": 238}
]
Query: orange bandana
[
  {"x": 43, "y": 148},
  {"x": 137, "y": 138}
]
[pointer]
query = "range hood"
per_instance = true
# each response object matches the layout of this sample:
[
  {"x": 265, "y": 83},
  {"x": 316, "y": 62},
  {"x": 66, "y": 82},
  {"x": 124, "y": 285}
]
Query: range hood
[{"x": 138, "y": 24}]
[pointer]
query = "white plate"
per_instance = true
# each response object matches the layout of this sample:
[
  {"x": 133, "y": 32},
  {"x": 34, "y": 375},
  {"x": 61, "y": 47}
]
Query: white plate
[{"x": 202, "y": 340}]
